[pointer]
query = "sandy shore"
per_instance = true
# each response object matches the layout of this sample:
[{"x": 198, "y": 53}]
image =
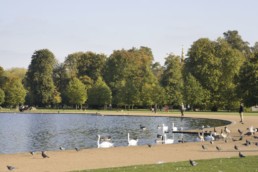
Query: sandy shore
[{"x": 125, "y": 156}]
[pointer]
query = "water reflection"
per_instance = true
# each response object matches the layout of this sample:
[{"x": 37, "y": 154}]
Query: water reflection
[{"x": 36, "y": 132}]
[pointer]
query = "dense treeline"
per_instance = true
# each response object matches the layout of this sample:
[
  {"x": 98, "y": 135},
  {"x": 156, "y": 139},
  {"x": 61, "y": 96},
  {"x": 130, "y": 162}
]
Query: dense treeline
[{"x": 215, "y": 75}]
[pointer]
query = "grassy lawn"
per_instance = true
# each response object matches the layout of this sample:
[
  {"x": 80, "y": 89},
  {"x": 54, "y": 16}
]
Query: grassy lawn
[
  {"x": 235, "y": 164},
  {"x": 135, "y": 111}
]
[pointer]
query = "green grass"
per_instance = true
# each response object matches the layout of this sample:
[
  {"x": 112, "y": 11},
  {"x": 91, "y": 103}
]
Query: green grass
[
  {"x": 135, "y": 111},
  {"x": 248, "y": 164}
]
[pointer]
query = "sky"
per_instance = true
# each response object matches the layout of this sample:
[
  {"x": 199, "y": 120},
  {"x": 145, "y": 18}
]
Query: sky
[{"x": 102, "y": 26}]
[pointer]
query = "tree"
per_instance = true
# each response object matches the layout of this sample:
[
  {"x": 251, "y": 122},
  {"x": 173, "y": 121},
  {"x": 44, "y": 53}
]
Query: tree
[
  {"x": 100, "y": 94},
  {"x": 76, "y": 92},
  {"x": 231, "y": 61},
  {"x": 236, "y": 41},
  {"x": 14, "y": 92},
  {"x": 61, "y": 79},
  {"x": 157, "y": 70},
  {"x": 215, "y": 64},
  {"x": 71, "y": 64},
  {"x": 39, "y": 78},
  {"x": 172, "y": 80},
  {"x": 126, "y": 72},
  {"x": 2, "y": 96},
  {"x": 16, "y": 72},
  {"x": 255, "y": 48},
  {"x": 2, "y": 77},
  {"x": 248, "y": 82},
  {"x": 91, "y": 65},
  {"x": 194, "y": 94}
]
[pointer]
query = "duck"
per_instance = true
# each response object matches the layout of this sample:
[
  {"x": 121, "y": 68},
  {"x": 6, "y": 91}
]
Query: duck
[
  {"x": 104, "y": 144},
  {"x": 142, "y": 127},
  {"x": 132, "y": 142},
  {"x": 167, "y": 141}
]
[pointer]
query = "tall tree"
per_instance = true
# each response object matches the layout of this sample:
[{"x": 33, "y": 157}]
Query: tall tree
[
  {"x": 100, "y": 94},
  {"x": 61, "y": 79},
  {"x": 76, "y": 92},
  {"x": 14, "y": 92},
  {"x": 39, "y": 78},
  {"x": 236, "y": 41},
  {"x": 71, "y": 64},
  {"x": 2, "y": 96},
  {"x": 248, "y": 82},
  {"x": 172, "y": 79},
  {"x": 126, "y": 73},
  {"x": 194, "y": 94},
  {"x": 91, "y": 65},
  {"x": 215, "y": 64},
  {"x": 157, "y": 70}
]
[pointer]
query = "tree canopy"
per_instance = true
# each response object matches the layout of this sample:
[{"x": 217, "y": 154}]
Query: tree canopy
[{"x": 216, "y": 74}]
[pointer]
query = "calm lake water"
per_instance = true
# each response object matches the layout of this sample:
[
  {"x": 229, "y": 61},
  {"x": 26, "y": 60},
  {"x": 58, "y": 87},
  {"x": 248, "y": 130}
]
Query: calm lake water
[{"x": 37, "y": 132}]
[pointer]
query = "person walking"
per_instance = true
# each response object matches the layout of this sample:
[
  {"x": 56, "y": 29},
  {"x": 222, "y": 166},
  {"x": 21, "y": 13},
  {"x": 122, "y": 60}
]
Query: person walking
[
  {"x": 182, "y": 108},
  {"x": 241, "y": 112}
]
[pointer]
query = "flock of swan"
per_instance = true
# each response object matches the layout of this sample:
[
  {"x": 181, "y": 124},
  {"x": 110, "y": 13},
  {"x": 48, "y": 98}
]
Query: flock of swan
[{"x": 105, "y": 142}]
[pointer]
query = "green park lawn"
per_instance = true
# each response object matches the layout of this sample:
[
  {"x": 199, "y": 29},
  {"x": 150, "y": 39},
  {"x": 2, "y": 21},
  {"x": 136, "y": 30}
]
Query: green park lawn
[{"x": 235, "y": 164}]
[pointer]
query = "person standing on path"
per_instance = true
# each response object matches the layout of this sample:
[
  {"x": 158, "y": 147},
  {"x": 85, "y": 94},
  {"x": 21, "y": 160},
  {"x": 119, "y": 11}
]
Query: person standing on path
[
  {"x": 241, "y": 112},
  {"x": 182, "y": 108}
]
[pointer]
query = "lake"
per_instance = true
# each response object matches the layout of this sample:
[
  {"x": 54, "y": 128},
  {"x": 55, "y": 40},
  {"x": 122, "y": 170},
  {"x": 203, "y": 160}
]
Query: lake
[{"x": 21, "y": 132}]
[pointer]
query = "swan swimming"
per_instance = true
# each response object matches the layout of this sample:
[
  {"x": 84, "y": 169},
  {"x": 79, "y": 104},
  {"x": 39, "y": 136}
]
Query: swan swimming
[
  {"x": 104, "y": 144},
  {"x": 173, "y": 127},
  {"x": 167, "y": 141},
  {"x": 209, "y": 137},
  {"x": 164, "y": 128},
  {"x": 199, "y": 138},
  {"x": 132, "y": 142}
]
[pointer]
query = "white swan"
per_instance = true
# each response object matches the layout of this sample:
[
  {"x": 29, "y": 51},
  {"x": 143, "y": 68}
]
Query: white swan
[
  {"x": 104, "y": 144},
  {"x": 164, "y": 128},
  {"x": 173, "y": 127},
  {"x": 167, "y": 141},
  {"x": 209, "y": 137},
  {"x": 132, "y": 142},
  {"x": 199, "y": 138}
]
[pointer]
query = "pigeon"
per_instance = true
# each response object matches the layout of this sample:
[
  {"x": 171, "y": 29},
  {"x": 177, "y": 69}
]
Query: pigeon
[
  {"x": 149, "y": 145},
  {"x": 61, "y": 148},
  {"x": 241, "y": 155},
  {"x": 240, "y": 132},
  {"x": 193, "y": 163},
  {"x": 204, "y": 147},
  {"x": 218, "y": 148},
  {"x": 241, "y": 138},
  {"x": 235, "y": 147},
  {"x": 44, "y": 155},
  {"x": 77, "y": 149},
  {"x": 211, "y": 142},
  {"x": 234, "y": 140},
  {"x": 32, "y": 153},
  {"x": 10, "y": 167},
  {"x": 247, "y": 143}
]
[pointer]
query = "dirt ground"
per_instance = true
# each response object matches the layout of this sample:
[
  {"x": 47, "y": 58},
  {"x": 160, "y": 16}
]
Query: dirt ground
[{"x": 125, "y": 156}]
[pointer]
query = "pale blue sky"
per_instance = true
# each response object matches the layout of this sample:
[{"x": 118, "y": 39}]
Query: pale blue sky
[{"x": 101, "y": 26}]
